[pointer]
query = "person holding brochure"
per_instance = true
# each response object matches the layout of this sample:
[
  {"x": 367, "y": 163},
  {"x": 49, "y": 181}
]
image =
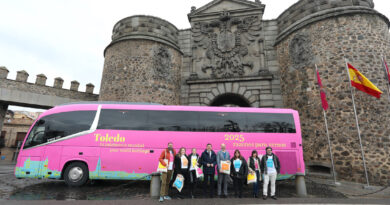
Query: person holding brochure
[
  {"x": 222, "y": 156},
  {"x": 166, "y": 159},
  {"x": 181, "y": 166},
  {"x": 254, "y": 168},
  {"x": 194, "y": 164}
]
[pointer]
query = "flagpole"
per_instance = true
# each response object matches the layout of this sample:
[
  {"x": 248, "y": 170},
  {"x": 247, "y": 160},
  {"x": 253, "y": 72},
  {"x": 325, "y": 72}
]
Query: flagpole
[
  {"x": 330, "y": 146},
  {"x": 387, "y": 80},
  {"x": 357, "y": 123}
]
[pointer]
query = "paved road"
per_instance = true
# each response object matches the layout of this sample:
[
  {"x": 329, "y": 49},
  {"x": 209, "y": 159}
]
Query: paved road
[
  {"x": 17, "y": 191},
  {"x": 6, "y": 168},
  {"x": 209, "y": 201}
]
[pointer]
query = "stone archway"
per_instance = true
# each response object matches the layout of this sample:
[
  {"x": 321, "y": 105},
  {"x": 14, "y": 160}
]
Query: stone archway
[{"x": 230, "y": 100}]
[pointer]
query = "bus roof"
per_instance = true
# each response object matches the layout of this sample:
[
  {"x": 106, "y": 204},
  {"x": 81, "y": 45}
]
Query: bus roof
[
  {"x": 154, "y": 106},
  {"x": 109, "y": 102}
]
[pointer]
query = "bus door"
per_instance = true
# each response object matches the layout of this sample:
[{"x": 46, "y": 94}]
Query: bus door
[{"x": 30, "y": 157}]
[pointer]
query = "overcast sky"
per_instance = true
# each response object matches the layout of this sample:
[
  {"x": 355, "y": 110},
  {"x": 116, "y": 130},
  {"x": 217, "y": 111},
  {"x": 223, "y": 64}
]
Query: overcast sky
[{"x": 66, "y": 38}]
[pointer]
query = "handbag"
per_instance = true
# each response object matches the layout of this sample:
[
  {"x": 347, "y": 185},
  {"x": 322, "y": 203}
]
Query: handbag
[
  {"x": 161, "y": 167},
  {"x": 199, "y": 172},
  {"x": 251, "y": 178},
  {"x": 225, "y": 167},
  {"x": 179, "y": 182}
]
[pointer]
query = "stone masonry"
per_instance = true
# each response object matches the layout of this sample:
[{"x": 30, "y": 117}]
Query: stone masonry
[
  {"x": 143, "y": 62},
  {"x": 38, "y": 95},
  {"x": 361, "y": 35},
  {"x": 232, "y": 57}
]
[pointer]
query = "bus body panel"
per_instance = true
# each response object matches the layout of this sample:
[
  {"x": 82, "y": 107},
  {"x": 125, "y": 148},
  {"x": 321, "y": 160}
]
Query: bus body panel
[
  {"x": 124, "y": 154},
  {"x": 29, "y": 163},
  {"x": 53, "y": 158}
]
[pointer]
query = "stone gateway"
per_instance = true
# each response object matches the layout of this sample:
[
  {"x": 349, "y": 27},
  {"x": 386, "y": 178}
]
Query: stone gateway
[{"x": 232, "y": 57}]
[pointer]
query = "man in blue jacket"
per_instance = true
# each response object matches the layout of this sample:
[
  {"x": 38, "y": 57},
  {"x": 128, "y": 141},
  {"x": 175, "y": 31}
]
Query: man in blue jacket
[{"x": 209, "y": 162}]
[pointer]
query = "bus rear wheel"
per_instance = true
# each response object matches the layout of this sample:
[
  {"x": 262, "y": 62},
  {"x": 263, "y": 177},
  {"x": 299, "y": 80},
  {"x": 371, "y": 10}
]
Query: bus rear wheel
[{"x": 76, "y": 174}]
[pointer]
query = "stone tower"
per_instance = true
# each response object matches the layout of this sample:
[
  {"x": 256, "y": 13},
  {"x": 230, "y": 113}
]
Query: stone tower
[
  {"x": 324, "y": 33},
  {"x": 142, "y": 63}
]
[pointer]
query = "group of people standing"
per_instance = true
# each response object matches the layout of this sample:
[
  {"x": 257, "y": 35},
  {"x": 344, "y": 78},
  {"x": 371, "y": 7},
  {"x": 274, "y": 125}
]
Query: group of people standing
[{"x": 265, "y": 168}]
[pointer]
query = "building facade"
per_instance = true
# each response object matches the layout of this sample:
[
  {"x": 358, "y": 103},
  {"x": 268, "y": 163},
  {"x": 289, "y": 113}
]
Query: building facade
[
  {"x": 15, "y": 128},
  {"x": 232, "y": 57}
]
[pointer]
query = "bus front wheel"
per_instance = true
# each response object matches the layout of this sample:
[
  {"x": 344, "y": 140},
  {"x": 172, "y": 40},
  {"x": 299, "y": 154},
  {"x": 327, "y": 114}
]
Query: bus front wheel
[{"x": 76, "y": 174}]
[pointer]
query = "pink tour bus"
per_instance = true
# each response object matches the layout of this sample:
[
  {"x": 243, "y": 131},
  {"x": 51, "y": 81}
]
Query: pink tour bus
[{"x": 123, "y": 141}]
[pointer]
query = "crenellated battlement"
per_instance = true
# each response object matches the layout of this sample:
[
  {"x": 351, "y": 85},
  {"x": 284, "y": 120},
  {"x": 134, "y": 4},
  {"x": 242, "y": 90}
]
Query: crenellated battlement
[
  {"x": 22, "y": 77},
  {"x": 305, "y": 12},
  {"x": 146, "y": 28}
]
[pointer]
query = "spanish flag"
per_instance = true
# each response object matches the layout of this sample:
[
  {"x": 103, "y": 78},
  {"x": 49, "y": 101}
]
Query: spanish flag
[{"x": 360, "y": 82}]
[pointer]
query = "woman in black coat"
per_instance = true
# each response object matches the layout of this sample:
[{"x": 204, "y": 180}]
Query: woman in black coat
[
  {"x": 194, "y": 164},
  {"x": 238, "y": 171},
  {"x": 181, "y": 166}
]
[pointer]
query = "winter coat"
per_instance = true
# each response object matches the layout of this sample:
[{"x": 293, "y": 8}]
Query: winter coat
[
  {"x": 206, "y": 159},
  {"x": 177, "y": 164},
  {"x": 242, "y": 173},
  {"x": 221, "y": 158},
  {"x": 251, "y": 163},
  {"x": 263, "y": 165},
  {"x": 166, "y": 155}
]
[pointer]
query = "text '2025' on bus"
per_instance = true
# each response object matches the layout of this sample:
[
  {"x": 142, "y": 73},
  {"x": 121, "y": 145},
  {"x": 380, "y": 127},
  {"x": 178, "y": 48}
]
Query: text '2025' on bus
[{"x": 77, "y": 142}]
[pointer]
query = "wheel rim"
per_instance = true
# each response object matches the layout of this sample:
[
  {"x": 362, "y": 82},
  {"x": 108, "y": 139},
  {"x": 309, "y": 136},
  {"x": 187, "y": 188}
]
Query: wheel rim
[{"x": 75, "y": 174}]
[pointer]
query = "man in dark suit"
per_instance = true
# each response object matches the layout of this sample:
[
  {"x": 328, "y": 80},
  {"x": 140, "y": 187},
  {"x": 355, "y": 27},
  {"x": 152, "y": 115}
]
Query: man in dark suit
[{"x": 209, "y": 162}]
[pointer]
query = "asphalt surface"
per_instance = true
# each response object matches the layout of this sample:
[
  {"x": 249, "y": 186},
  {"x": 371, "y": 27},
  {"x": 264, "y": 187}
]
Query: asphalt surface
[
  {"x": 210, "y": 201},
  {"x": 19, "y": 191}
]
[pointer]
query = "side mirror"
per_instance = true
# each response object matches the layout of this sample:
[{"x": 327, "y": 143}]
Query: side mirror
[{"x": 41, "y": 122}]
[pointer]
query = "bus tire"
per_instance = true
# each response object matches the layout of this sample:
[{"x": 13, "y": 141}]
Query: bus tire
[{"x": 76, "y": 174}]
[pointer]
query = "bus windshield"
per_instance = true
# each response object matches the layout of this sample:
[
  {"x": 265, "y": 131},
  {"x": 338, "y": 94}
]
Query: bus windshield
[{"x": 56, "y": 126}]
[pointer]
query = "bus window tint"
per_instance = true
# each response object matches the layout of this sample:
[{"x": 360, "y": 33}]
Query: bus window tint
[
  {"x": 123, "y": 120},
  {"x": 68, "y": 123},
  {"x": 270, "y": 123},
  {"x": 59, "y": 125},
  {"x": 173, "y": 120},
  {"x": 221, "y": 122},
  {"x": 191, "y": 121}
]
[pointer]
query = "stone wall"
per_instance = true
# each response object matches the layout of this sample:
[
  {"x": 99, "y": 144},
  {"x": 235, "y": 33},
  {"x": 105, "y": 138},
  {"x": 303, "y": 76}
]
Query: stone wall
[
  {"x": 186, "y": 67},
  {"x": 233, "y": 58},
  {"x": 305, "y": 8},
  {"x": 362, "y": 39},
  {"x": 145, "y": 27},
  {"x": 143, "y": 62},
  {"x": 38, "y": 94},
  {"x": 13, "y": 128}
]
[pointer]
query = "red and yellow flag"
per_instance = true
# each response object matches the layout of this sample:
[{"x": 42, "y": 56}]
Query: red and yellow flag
[{"x": 360, "y": 82}]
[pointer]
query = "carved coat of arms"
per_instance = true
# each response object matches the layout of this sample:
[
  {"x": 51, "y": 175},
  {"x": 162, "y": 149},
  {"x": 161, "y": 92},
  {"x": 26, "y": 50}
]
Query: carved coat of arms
[
  {"x": 162, "y": 63},
  {"x": 224, "y": 48}
]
